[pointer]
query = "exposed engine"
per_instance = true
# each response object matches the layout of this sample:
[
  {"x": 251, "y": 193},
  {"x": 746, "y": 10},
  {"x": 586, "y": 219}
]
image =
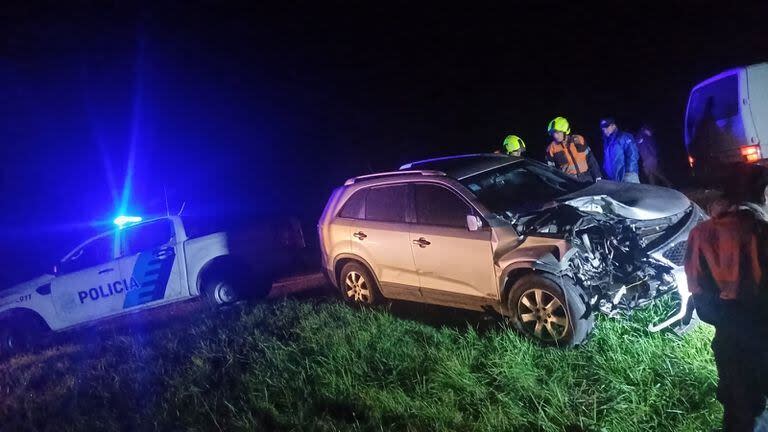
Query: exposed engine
[{"x": 607, "y": 259}]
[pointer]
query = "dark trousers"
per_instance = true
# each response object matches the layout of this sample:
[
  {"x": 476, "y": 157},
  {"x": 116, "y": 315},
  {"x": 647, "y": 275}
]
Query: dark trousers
[{"x": 742, "y": 388}]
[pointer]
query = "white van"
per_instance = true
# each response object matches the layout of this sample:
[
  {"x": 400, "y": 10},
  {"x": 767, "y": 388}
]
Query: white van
[{"x": 727, "y": 118}]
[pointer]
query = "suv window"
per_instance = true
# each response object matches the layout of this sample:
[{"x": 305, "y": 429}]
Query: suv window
[
  {"x": 98, "y": 251},
  {"x": 436, "y": 205},
  {"x": 386, "y": 203},
  {"x": 146, "y": 237},
  {"x": 355, "y": 206}
]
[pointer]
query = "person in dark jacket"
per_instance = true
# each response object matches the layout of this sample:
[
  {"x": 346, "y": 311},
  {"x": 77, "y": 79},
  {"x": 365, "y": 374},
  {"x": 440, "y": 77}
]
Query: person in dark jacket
[
  {"x": 726, "y": 265},
  {"x": 620, "y": 153},
  {"x": 649, "y": 157}
]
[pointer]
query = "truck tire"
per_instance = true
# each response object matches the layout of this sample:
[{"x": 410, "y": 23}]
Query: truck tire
[
  {"x": 551, "y": 313},
  {"x": 226, "y": 282},
  {"x": 12, "y": 340},
  {"x": 357, "y": 285},
  {"x": 223, "y": 290}
]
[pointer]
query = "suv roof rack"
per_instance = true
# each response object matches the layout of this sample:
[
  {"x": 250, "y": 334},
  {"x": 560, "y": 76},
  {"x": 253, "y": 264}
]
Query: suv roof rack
[
  {"x": 410, "y": 165},
  {"x": 393, "y": 174}
]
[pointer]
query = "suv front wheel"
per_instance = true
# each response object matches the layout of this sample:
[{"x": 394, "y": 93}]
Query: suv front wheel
[
  {"x": 357, "y": 285},
  {"x": 546, "y": 311}
]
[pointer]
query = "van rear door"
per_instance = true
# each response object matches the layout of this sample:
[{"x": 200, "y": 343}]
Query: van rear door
[
  {"x": 757, "y": 82},
  {"x": 718, "y": 120}
]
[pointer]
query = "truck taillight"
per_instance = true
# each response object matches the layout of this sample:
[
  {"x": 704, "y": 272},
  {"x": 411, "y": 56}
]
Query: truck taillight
[
  {"x": 691, "y": 161},
  {"x": 751, "y": 153}
]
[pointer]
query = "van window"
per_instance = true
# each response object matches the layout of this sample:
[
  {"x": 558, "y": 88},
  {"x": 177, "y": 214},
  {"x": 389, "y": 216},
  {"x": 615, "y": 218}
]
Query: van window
[{"x": 720, "y": 99}]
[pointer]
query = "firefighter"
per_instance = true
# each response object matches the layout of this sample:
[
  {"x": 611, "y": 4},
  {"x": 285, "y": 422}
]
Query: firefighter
[
  {"x": 727, "y": 267},
  {"x": 570, "y": 153},
  {"x": 513, "y": 145}
]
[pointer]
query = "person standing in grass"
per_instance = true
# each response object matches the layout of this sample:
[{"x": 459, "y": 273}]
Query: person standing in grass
[{"x": 727, "y": 268}]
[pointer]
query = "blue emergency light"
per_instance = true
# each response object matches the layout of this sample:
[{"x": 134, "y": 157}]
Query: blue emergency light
[{"x": 122, "y": 220}]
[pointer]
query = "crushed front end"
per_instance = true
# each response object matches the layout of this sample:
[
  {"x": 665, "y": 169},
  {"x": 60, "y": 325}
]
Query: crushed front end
[{"x": 621, "y": 263}]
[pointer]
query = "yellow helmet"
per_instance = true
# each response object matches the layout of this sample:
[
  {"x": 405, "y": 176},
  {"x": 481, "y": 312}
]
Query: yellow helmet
[
  {"x": 559, "y": 124},
  {"x": 513, "y": 143}
]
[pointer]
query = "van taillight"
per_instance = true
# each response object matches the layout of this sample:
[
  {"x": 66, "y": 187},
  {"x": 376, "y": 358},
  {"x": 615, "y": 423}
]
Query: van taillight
[
  {"x": 691, "y": 161},
  {"x": 751, "y": 153}
]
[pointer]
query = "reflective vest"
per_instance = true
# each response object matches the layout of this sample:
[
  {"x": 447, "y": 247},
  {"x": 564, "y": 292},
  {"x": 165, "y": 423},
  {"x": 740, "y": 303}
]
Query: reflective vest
[{"x": 570, "y": 156}]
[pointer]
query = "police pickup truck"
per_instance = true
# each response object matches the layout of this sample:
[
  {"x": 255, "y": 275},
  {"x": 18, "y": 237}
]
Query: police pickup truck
[{"x": 137, "y": 267}]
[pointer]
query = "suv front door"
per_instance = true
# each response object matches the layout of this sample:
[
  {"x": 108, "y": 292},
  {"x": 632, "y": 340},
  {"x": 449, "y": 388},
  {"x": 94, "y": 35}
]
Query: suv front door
[
  {"x": 381, "y": 237},
  {"x": 454, "y": 264}
]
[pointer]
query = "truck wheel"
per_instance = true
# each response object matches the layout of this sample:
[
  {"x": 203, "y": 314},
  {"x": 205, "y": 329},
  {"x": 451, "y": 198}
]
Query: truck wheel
[
  {"x": 222, "y": 291},
  {"x": 12, "y": 340},
  {"x": 357, "y": 285},
  {"x": 546, "y": 311}
]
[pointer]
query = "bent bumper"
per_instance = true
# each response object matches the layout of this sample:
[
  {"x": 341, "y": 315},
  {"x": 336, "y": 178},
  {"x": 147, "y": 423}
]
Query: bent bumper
[{"x": 685, "y": 311}]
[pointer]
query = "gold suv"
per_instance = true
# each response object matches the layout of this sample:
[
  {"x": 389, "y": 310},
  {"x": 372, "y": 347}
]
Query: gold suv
[{"x": 492, "y": 232}]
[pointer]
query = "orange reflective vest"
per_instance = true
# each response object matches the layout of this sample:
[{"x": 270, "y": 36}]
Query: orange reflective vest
[{"x": 574, "y": 158}]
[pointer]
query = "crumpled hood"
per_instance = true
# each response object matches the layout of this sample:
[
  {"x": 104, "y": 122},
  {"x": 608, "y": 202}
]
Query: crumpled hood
[
  {"x": 27, "y": 286},
  {"x": 629, "y": 200}
]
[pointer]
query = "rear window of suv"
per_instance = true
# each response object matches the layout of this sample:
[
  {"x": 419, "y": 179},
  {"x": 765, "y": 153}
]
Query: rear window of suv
[
  {"x": 386, "y": 203},
  {"x": 355, "y": 206}
]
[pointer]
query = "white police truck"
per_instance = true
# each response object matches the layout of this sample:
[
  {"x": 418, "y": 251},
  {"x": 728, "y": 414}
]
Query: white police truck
[{"x": 132, "y": 268}]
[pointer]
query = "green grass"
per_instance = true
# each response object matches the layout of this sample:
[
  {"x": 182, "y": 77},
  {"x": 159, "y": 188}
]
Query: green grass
[{"x": 321, "y": 365}]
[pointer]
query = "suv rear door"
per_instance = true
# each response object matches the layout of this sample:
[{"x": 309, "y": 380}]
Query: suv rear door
[
  {"x": 382, "y": 238},
  {"x": 454, "y": 264}
]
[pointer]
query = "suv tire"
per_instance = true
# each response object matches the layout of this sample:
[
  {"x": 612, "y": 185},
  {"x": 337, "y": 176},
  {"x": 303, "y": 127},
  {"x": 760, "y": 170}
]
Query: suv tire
[
  {"x": 357, "y": 285},
  {"x": 544, "y": 310}
]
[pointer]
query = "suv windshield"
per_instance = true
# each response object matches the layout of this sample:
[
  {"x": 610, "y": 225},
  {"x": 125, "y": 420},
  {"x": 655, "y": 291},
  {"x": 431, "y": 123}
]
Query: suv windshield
[{"x": 520, "y": 186}]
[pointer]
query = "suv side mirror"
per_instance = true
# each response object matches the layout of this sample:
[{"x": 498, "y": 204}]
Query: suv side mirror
[{"x": 474, "y": 223}]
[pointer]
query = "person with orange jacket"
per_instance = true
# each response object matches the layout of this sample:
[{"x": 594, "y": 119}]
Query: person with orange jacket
[
  {"x": 726, "y": 265},
  {"x": 570, "y": 153}
]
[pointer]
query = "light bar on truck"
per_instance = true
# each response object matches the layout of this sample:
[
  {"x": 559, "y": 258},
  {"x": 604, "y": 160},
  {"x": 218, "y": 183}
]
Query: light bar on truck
[{"x": 123, "y": 220}]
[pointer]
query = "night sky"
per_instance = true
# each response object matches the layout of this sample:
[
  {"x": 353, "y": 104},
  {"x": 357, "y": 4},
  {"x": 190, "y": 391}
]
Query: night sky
[{"x": 263, "y": 109}]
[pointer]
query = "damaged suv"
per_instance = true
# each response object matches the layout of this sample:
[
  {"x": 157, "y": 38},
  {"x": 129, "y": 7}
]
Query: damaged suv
[{"x": 509, "y": 235}]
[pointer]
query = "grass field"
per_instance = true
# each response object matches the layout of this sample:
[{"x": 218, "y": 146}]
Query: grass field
[{"x": 317, "y": 364}]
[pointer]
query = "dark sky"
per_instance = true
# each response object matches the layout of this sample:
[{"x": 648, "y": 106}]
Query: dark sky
[{"x": 263, "y": 109}]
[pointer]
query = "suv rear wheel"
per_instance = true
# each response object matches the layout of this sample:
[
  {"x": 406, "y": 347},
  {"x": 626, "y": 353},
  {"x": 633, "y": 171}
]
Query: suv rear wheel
[
  {"x": 357, "y": 285},
  {"x": 548, "y": 312}
]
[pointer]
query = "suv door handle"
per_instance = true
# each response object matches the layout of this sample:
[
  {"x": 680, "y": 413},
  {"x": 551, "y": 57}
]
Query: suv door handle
[
  {"x": 107, "y": 270},
  {"x": 360, "y": 235},
  {"x": 422, "y": 242}
]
